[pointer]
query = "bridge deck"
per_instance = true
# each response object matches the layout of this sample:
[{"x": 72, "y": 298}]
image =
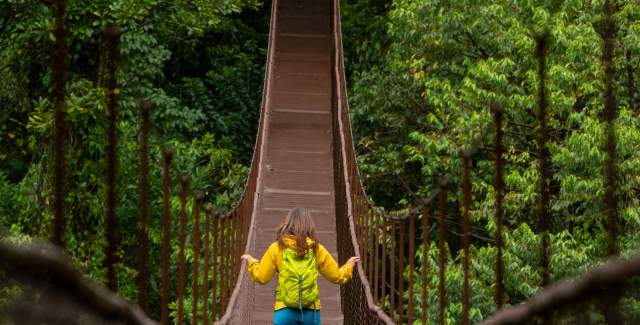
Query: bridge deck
[{"x": 296, "y": 167}]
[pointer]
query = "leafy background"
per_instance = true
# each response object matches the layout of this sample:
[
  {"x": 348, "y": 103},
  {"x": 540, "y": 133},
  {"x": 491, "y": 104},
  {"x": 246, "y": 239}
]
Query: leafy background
[
  {"x": 201, "y": 63},
  {"x": 439, "y": 65},
  {"x": 421, "y": 74}
]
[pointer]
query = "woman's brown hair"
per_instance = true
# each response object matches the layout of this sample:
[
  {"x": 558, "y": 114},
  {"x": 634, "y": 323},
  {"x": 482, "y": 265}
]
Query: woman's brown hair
[{"x": 298, "y": 223}]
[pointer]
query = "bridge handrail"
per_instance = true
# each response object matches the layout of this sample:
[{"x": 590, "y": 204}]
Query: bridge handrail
[
  {"x": 356, "y": 198},
  {"x": 252, "y": 184}
]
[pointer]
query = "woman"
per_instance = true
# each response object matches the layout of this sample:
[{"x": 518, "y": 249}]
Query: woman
[{"x": 297, "y": 257}]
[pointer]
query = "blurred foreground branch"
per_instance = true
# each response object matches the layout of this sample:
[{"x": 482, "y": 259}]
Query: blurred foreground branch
[
  {"x": 47, "y": 263},
  {"x": 615, "y": 272}
]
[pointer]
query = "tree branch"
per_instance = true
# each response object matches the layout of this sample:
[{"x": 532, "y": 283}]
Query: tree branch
[
  {"x": 44, "y": 261},
  {"x": 567, "y": 293}
]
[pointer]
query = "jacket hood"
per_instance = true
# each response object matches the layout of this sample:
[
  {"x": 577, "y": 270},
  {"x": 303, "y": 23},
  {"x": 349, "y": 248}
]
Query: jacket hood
[{"x": 290, "y": 241}]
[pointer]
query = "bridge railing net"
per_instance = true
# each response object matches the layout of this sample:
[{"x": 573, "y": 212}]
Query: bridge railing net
[
  {"x": 238, "y": 303},
  {"x": 358, "y": 304}
]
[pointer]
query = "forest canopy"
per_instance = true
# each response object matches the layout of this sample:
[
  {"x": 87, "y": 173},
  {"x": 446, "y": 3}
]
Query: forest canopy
[
  {"x": 200, "y": 63},
  {"x": 422, "y": 78},
  {"x": 424, "y": 75}
]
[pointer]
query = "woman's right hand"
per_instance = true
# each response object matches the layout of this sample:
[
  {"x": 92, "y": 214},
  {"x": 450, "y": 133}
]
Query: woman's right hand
[
  {"x": 353, "y": 260},
  {"x": 247, "y": 257}
]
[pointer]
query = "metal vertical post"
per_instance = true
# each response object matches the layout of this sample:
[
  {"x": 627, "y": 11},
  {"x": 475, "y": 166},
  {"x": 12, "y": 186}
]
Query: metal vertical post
[
  {"x": 392, "y": 255},
  {"x": 466, "y": 189},
  {"x": 196, "y": 257},
  {"x": 143, "y": 206},
  {"x": 223, "y": 261},
  {"x": 401, "y": 273},
  {"x": 611, "y": 313},
  {"x": 425, "y": 263},
  {"x": 384, "y": 260},
  {"x": 544, "y": 210},
  {"x": 442, "y": 254},
  {"x": 214, "y": 276},
  {"x": 376, "y": 279},
  {"x": 59, "y": 122},
  {"x": 412, "y": 253},
  {"x": 164, "y": 307},
  {"x": 182, "y": 237},
  {"x": 371, "y": 241},
  {"x": 205, "y": 281},
  {"x": 111, "y": 36}
]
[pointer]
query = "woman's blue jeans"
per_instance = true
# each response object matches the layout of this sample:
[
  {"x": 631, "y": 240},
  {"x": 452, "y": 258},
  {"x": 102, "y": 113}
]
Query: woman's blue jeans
[{"x": 292, "y": 316}]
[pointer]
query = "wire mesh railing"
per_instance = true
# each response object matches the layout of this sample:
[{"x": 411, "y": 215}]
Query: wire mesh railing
[{"x": 358, "y": 305}]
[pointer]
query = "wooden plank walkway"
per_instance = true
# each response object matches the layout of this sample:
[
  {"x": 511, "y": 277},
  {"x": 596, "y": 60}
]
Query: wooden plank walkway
[{"x": 297, "y": 166}]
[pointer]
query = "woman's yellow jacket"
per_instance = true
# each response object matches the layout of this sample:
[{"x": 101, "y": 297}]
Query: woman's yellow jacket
[{"x": 263, "y": 271}]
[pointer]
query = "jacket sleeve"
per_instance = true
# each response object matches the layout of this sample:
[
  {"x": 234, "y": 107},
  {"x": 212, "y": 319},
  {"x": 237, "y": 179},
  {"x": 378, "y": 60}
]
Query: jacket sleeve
[
  {"x": 329, "y": 268},
  {"x": 262, "y": 271}
]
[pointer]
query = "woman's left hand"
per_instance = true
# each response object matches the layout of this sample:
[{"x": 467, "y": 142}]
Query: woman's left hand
[
  {"x": 353, "y": 260},
  {"x": 247, "y": 257}
]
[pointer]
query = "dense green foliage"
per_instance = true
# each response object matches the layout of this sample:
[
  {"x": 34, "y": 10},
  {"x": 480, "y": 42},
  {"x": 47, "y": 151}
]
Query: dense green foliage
[
  {"x": 200, "y": 63},
  {"x": 423, "y": 76}
]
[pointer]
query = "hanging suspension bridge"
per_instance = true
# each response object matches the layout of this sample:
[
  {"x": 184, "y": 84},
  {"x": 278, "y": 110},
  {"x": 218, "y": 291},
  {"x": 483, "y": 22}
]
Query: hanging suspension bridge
[{"x": 304, "y": 157}]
